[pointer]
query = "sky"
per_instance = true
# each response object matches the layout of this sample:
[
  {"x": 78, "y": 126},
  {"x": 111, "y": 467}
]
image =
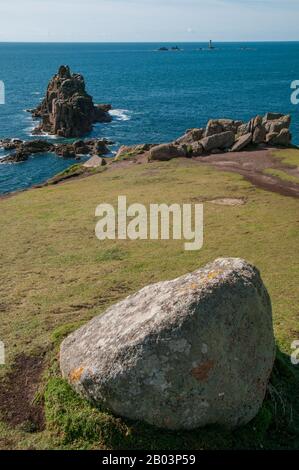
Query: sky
[{"x": 148, "y": 20}]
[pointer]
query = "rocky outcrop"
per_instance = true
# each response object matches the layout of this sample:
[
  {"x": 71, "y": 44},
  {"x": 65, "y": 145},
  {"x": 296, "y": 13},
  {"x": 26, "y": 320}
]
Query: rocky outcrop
[
  {"x": 180, "y": 354},
  {"x": 229, "y": 135},
  {"x": 23, "y": 149},
  {"x": 67, "y": 110},
  {"x": 166, "y": 152}
]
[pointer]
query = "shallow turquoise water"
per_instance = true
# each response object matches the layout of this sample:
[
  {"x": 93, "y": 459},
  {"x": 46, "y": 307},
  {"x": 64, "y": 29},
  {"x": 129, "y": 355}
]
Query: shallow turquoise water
[{"x": 155, "y": 95}]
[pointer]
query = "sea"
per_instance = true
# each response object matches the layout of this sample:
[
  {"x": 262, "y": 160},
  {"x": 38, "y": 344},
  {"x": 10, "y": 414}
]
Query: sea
[{"x": 156, "y": 95}]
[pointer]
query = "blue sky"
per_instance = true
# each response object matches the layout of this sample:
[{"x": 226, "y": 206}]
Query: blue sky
[{"x": 149, "y": 20}]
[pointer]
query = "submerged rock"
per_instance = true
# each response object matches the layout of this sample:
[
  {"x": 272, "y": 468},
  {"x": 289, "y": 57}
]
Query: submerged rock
[
  {"x": 23, "y": 149},
  {"x": 180, "y": 354},
  {"x": 67, "y": 110}
]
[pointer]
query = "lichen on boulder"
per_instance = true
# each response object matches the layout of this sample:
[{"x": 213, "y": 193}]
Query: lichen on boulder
[{"x": 180, "y": 354}]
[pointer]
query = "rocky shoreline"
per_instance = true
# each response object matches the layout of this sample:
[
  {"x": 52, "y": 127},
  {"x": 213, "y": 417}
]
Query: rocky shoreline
[
  {"x": 220, "y": 135},
  {"x": 68, "y": 111},
  {"x": 22, "y": 150}
]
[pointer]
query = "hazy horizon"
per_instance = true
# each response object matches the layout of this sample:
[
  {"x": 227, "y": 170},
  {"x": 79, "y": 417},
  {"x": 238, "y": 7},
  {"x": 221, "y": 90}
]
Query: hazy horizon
[{"x": 148, "y": 21}]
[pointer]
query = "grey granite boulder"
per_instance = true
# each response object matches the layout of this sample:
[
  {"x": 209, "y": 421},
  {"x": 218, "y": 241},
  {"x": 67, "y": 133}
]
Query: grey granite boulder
[
  {"x": 180, "y": 354},
  {"x": 242, "y": 142},
  {"x": 166, "y": 152},
  {"x": 191, "y": 136},
  {"x": 218, "y": 141},
  {"x": 283, "y": 138}
]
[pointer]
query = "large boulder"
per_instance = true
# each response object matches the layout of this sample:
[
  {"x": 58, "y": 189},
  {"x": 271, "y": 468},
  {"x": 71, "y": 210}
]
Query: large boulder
[
  {"x": 218, "y": 141},
  {"x": 242, "y": 142},
  {"x": 67, "y": 110},
  {"x": 94, "y": 162},
  {"x": 259, "y": 135},
  {"x": 180, "y": 354},
  {"x": 166, "y": 152},
  {"x": 283, "y": 138}
]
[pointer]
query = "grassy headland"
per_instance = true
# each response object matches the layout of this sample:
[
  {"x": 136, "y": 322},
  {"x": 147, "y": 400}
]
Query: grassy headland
[{"x": 55, "y": 275}]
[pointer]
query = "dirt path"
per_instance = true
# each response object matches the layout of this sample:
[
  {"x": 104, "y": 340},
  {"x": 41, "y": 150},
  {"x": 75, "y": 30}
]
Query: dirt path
[{"x": 251, "y": 165}]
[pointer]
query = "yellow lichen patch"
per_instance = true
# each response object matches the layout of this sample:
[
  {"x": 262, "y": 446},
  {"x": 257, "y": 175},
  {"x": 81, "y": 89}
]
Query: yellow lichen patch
[
  {"x": 76, "y": 374},
  {"x": 194, "y": 286},
  {"x": 214, "y": 274}
]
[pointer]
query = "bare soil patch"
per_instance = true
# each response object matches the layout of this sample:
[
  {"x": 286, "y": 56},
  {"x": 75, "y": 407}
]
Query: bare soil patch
[
  {"x": 228, "y": 201},
  {"x": 17, "y": 394}
]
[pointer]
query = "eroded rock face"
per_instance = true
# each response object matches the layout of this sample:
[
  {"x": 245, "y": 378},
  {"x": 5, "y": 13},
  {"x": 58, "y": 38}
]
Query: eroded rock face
[
  {"x": 180, "y": 354},
  {"x": 67, "y": 110}
]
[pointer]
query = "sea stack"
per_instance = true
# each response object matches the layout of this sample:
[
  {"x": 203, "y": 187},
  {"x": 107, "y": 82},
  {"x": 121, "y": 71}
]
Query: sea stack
[{"x": 67, "y": 110}]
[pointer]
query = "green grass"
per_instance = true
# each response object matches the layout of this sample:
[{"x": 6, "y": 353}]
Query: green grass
[
  {"x": 282, "y": 175},
  {"x": 288, "y": 156},
  {"x": 56, "y": 275},
  {"x": 76, "y": 424},
  {"x": 73, "y": 171}
]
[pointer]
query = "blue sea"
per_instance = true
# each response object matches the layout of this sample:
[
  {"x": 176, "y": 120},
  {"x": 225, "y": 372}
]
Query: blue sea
[{"x": 155, "y": 95}]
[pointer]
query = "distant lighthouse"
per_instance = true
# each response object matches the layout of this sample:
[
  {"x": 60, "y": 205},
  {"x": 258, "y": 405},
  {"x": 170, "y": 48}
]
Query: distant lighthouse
[{"x": 211, "y": 45}]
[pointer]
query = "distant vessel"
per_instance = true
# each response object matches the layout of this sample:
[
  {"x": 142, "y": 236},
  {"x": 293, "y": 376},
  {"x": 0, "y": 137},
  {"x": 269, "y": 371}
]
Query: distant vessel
[{"x": 211, "y": 45}]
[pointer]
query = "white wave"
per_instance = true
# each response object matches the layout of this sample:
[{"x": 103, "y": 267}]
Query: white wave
[
  {"x": 28, "y": 130},
  {"x": 35, "y": 93},
  {"x": 120, "y": 114}
]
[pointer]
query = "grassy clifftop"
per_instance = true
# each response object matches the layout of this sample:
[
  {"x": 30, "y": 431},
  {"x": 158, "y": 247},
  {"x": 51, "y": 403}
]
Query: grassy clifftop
[{"x": 55, "y": 275}]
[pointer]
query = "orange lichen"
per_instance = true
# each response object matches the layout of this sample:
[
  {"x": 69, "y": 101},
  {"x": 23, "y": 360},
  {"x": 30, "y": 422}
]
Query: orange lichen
[
  {"x": 201, "y": 372},
  {"x": 76, "y": 374}
]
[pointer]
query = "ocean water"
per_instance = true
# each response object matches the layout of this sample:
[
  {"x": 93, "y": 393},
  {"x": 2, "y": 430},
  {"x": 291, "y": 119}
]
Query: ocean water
[{"x": 155, "y": 95}]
